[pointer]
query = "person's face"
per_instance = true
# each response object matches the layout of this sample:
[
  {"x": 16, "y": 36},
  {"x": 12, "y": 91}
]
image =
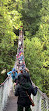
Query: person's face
[
  {"x": 18, "y": 71},
  {"x": 13, "y": 72}
]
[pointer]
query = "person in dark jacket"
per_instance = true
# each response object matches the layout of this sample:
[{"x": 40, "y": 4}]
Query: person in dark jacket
[
  {"x": 23, "y": 89},
  {"x": 23, "y": 99},
  {"x": 23, "y": 76}
]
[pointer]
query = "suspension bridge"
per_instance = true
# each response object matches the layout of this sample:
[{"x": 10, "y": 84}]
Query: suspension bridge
[{"x": 8, "y": 102}]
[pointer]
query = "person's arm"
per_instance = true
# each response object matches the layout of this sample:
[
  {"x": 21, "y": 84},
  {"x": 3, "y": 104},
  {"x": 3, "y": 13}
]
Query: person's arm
[
  {"x": 27, "y": 69},
  {"x": 34, "y": 90},
  {"x": 17, "y": 90},
  {"x": 9, "y": 73}
]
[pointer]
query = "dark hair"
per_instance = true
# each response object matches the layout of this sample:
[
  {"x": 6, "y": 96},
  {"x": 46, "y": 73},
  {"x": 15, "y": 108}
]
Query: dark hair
[
  {"x": 16, "y": 71},
  {"x": 21, "y": 71}
]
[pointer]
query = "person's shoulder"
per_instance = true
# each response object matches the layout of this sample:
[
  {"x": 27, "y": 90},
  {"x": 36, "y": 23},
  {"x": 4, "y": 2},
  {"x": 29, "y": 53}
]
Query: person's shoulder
[{"x": 9, "y": 72}]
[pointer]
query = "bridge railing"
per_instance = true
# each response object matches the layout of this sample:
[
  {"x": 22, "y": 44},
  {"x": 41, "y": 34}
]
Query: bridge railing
[
  {"x": 5, "y": 89},
  {"x": 41, "y": 102}
]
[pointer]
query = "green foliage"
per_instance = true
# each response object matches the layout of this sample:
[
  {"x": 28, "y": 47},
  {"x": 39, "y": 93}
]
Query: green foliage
[
  {"x": 7, "y": 37},
  {"x": 35, "y": 61},
  {"x": 31, "y": 15},
  {"x": 35, "y": 17}
]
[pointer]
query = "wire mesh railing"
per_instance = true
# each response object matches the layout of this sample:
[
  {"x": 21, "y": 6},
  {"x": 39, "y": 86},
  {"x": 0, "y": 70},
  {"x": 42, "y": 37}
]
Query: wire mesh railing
[
  {"x": 41, "y": 102},
  {"x": 5, "y": 89}
]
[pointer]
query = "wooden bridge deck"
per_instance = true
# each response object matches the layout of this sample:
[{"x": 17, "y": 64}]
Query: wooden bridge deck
[{"x": 12, "y": 103}]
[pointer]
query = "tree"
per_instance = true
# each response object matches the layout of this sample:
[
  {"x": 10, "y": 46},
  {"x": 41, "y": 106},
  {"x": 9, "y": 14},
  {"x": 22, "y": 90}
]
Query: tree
[
  {"x": 7, "y": 38},
  {"x": 31, "y": 16}
]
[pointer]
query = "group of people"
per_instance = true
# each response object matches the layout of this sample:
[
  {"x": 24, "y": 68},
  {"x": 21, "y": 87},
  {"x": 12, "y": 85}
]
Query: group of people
[
  {"x": 23, "y": 88},
  {"x": 22, "y": 81}
]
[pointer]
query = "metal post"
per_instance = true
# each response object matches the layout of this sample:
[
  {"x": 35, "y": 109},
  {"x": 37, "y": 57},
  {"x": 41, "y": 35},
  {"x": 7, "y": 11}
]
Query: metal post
[{"x": 23, "y": 108}]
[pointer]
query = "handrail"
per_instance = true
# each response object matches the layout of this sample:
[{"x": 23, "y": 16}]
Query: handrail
[
  {"x": 41, "y": 101},
  {"x": 41, "y": 93},
  {"x": 4, "y": 81},
  {"x": 5, "y": 89}
]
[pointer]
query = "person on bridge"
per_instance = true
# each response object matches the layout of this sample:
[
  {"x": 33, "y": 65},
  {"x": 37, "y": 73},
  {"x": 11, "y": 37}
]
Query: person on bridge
[
  {"x": 24, "y": 89},
  {"x": 13, "y": 74}
]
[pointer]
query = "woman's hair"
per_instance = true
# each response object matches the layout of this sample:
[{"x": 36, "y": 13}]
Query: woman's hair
[{"x": 21, "y": 71}]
